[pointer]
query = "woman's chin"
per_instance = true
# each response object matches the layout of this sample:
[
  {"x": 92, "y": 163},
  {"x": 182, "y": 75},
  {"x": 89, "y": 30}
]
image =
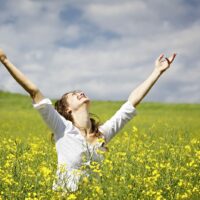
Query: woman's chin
[{"x": 85, "y": 100}]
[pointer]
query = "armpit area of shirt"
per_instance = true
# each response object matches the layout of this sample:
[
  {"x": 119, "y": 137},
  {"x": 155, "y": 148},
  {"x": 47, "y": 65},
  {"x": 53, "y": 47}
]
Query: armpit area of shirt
[{"x": 129, "y": 105}]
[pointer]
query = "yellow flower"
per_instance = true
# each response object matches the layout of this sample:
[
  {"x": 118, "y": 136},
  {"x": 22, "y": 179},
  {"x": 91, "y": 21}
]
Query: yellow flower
[
  {"x": 155, "y": 172},
  {"x": 132, "y": 176},
  {"x": 122, "y": 178},
  {"x": 8, "y": 179},
  {"x": 191, "y": 163},
  {"x": 100, "y": 152},
  {"x": 135, "y": 129},
  {"x": 45, "y": 171},
  {"x": 71, "y": 197},
  {"x": 188, "y": 148},
  {"x": 184, "y": 196},
  {"x": 101, "y": 140},
  {"x": 130, "y": 186},
  {"x": 85, "y": 180},
  {"x": 62, "y": 168},
  {"x": 147, "y": 167},
  {"x": 98, "y": 190}
]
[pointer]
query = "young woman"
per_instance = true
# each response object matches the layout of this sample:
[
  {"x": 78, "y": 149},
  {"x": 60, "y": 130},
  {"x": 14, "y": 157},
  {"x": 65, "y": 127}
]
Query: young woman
[{"x": 77, "y": 135}]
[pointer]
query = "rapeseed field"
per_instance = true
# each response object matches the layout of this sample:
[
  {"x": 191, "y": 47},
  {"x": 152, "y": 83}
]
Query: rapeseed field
[{"x": 155, "y": 156}]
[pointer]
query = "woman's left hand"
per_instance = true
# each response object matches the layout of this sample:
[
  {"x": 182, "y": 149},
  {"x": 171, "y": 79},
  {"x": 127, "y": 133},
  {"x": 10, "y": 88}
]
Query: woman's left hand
[{"x": 162, "y": 63}]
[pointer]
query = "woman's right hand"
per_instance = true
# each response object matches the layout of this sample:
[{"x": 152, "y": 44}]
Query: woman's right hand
[{"x": 2, "y": 55}]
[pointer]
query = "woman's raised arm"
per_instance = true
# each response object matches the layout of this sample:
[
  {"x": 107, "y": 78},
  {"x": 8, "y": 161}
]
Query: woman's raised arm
[
  {"x": 140, "y": 92},
  {"x": 31, "y": 88}
]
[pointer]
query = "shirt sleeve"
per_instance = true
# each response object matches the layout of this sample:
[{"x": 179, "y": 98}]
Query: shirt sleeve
[
  {"x": 52, "y": 118},
  {"x": 117, "y": 122}
]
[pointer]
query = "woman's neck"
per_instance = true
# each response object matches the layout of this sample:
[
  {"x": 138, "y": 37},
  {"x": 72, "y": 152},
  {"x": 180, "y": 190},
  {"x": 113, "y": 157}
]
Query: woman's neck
[{"x": 81, "y": 119}]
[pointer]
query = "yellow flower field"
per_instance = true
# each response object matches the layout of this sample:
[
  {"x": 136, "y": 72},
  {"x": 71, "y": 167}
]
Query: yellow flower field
[{"x": 156, "y": 156}]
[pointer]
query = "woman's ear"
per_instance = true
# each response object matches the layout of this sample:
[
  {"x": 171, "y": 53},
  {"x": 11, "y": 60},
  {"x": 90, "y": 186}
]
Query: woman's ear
[{"x": 69, "y": 111}]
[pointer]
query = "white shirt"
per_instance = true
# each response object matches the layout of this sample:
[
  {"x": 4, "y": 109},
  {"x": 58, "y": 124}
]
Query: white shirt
[{"x": 71, "y": 146}]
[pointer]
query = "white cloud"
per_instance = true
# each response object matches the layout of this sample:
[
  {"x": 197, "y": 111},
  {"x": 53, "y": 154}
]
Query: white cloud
[{"x": 106, "y": 51}]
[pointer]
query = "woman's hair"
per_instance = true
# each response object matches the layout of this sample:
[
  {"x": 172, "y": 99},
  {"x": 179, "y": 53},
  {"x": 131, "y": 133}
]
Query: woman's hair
[{"x": 61, "y": 106}]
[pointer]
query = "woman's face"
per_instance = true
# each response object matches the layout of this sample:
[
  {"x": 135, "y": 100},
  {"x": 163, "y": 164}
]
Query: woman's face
[{"x": 76, "y": 99}]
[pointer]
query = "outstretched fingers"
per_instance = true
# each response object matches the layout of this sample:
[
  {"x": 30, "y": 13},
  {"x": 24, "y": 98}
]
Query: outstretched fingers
[
  {"x": 160, "y": 57},
  {"x": 171, "y": 58}
]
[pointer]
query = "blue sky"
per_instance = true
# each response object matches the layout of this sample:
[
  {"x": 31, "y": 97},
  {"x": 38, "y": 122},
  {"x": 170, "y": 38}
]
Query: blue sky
[{"x": 106, "y": 48}]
